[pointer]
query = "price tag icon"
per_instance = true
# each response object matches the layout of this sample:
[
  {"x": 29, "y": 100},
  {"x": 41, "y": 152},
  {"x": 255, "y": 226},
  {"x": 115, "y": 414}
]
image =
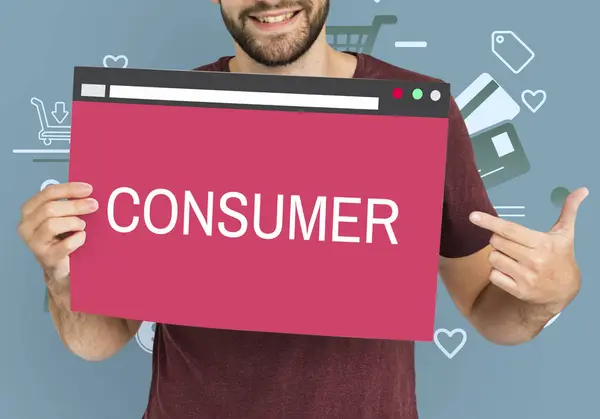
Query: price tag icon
[{"x": 511, "y": 50}]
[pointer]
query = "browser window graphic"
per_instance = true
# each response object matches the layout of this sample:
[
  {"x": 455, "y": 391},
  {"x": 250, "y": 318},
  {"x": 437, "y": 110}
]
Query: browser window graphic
[{"x": 260, "y": 203}]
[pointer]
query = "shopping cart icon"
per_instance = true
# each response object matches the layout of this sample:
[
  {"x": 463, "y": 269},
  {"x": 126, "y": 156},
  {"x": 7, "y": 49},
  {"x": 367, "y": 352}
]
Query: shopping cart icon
[
  {"x": 49, "y": 133},
  {"x": 358, "y": 38}
]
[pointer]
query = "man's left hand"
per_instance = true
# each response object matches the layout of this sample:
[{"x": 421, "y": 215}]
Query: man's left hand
[{"x": 536, "y": 267}]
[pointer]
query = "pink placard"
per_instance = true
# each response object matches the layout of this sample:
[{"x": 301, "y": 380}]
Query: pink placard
[{"x": 229, "y": 209}]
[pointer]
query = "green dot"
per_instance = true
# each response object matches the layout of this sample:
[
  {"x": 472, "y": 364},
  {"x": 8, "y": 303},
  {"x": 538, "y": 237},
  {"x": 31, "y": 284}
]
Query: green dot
[
  {"x": 417, "y": 94},
  {"x": 559, "y": 195}
]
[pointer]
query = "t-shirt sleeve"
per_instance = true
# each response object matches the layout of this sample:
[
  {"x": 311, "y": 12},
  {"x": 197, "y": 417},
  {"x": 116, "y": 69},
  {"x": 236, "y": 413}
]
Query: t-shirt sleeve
[{"x": 464, "y": 192}]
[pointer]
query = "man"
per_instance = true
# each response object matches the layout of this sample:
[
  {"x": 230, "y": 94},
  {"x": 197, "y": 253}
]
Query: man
[{"x": 507, "y": 280}]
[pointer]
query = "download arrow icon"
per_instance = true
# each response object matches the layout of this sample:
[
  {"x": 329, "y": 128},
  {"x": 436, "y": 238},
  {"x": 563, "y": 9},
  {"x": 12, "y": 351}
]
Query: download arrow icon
[{"x": 59, "y": 113}]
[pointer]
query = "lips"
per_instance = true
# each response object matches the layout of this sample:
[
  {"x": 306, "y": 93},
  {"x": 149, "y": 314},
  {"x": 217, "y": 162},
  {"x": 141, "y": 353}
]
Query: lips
[{"x": 275, "y": 18}]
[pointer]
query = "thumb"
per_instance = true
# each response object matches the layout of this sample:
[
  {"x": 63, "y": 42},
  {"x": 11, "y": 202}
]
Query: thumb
[{"x": 566, "y": 220}]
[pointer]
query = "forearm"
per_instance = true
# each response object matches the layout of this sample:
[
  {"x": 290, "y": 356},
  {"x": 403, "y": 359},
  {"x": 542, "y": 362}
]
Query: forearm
[
  {"x": 505, "y": 320},
  {"x": 91, "y": 337}
]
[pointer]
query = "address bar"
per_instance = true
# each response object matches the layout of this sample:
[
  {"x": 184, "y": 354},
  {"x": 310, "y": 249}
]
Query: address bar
[{"x": 244, "y": 98}]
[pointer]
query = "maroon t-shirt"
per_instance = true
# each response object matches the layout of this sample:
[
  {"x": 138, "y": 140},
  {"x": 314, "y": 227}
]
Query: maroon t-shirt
[{"x": 200, "y": 373}]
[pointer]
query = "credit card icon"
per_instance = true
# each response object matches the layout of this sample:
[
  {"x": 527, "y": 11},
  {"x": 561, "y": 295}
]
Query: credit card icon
[
  {"x": 484, "y": 103},
  {"x": 499, "y": 155}
]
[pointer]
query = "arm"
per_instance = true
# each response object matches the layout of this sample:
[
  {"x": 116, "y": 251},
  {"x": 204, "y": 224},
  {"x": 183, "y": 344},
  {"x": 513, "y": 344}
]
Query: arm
[
  {"x": 497, "y": 315},
  {"x": 508, "y": 281},
  {"x": 52, "y": 229},
  {"x": 464, "y": 265},
  {"x": 91, "y": 337}
]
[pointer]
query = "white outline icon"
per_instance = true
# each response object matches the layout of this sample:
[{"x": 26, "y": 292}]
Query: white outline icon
[
  {"x": 533, "y": 94},
  {"x": 552, "y": 320},
  {"x": 48, "y": 132},
  {"x": 511, "y": 208},
  {"x": 498, "y": 37},
  {"x": 115, "y": 59},
  {"x": 410, "y": 44},
  {"x": 145, "y": 336},
  {"x": 60, "y": 109},
  {"x": 449, "y": 333},
  {"x": 49, "y": 182}
]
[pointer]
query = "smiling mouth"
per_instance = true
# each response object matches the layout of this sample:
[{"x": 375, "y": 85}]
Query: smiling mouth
[{"x": 272, "y": 19}]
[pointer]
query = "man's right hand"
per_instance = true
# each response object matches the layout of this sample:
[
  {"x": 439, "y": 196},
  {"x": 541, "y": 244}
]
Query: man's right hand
[{"x": 51, "y": 227}]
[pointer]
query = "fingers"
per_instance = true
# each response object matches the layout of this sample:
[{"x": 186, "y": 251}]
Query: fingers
[
  {"x": 52, "y": 256},
  {"x": 507, "y": 229},
  {"x": 504, "y": 282},
  {"x": 510, "y": 267},
  {"x": 505, "y": 272},
  {"x": 65, "y": 247},
  {"x": 72, "y": 190},
  {"x": 55, "y": 210},
  {"x": 566, "y": 220},
  {"x": 51, "y": 227},
  {"x": 511, "y": 249},
  {"x": 56, "y": 229},
  {"x": 47, "y": 245}
]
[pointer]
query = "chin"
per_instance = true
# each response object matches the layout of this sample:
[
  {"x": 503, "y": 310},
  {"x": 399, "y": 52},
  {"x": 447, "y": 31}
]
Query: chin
[
  {"x": 277, "y": 60},
  {"x": 281, "y": 50}
]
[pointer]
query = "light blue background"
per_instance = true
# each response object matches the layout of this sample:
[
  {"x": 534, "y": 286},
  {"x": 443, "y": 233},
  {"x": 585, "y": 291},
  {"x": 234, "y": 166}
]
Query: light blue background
[{"x": 556, "y": 376}]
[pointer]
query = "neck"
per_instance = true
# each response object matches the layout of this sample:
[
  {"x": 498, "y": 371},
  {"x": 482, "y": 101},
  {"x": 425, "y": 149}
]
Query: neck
[{"x": 320, "y": 61}]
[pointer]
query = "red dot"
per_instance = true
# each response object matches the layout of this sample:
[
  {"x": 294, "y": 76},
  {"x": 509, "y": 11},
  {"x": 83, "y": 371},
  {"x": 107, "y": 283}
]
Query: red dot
[{"x": 397, "y": 93}]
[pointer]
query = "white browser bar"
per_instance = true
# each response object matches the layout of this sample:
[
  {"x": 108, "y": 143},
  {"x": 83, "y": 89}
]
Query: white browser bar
[{"x": 244, "y": 98}]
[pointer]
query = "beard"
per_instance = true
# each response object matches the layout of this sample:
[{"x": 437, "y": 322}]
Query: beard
[{"x": 283, "y": 49}]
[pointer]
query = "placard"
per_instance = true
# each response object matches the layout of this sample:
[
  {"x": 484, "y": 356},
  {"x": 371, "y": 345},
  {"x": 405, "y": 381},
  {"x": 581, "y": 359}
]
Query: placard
[{"x": 260, "y": 203}]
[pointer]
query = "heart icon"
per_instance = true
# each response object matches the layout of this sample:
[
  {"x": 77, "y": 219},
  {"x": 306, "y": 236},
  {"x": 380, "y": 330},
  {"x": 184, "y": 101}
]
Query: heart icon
[
  {"x": 528, "y": 98},
  {"x": 120, "y": 61},
  {"x": 450, "y": 334}
]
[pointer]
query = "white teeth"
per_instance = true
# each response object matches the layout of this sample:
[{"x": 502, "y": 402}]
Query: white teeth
[{"x": 275, "y": 19}]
